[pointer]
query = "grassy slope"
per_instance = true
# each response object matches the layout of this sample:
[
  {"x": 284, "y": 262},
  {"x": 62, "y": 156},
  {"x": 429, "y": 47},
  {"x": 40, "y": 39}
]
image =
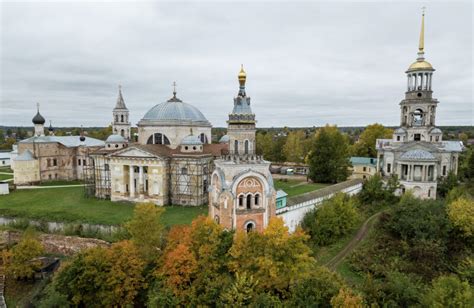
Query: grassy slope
[
  {"x": 70, "y": 205},
  {"x": 5, "y": 176},
  {"x": 294, "y": 188}
]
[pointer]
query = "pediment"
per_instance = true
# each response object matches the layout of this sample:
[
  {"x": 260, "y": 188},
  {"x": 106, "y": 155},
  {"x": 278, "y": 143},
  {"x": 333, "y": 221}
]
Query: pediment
[
  {"x": 133, "y": 152},
  {"x": 418, "y": 146}
]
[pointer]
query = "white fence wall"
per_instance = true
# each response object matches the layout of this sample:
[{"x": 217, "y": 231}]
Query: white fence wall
[{"x": 293, "y": 215}]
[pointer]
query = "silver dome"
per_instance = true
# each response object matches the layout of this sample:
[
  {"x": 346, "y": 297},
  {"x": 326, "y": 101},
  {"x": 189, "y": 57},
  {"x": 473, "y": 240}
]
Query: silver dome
[
  {"x": 417, "y": 155},
  {"x": 175, "y": 111},
  {"x": 224, "y": 139},
  {"x": 191, "y": 140},
  {"x": 115, "y": 139}
]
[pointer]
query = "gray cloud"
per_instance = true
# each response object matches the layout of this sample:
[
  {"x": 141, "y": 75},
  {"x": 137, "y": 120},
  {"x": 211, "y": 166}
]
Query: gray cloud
[{"x": 308, "y": 63}]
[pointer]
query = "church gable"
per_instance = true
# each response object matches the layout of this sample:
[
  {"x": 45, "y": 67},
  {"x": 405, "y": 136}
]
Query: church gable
[{"x": 133, "y": 152}]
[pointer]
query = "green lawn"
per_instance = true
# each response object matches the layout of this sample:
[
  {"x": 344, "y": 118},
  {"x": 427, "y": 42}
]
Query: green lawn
[
  {"x": 70, "y": 205},
  {"x": 5, "y": 176},
  {"x": 6, "y": 169},
  {"x": 60, "y": 182},
  {"x": 294, "y": 187}
]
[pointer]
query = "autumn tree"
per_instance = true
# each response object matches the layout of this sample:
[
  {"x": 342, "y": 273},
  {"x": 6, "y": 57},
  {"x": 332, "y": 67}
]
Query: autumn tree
[
  {"x": 146, "y": 229},
  {"x": 461, "y": 214},
  {"x": 21, "y": 261},
  {"x": 347, "y": 299},
  {"x": 241, "y": 292},
  {"x": 294, "y": 148},
  {"x": 275, "y": 258},
  {"x": 329, "y": 156},
  {"x": 102, "y": 277},
  {"x": 365, "y": 146}
]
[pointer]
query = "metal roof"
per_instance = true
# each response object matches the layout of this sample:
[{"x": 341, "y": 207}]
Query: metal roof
[
  {"x": 67, "y": 141},
  {"x": 191, "y": 140},
  {"x": 280, "y": 194},
  {"x": 224, "y": 139},
  {"x": 26, "y": 155},
  {"x": 115, "y": 138},
  {"x": 175, "y": 111},
  {"x": 453, "y": 146},
  {"x": 363, "y": 161}
]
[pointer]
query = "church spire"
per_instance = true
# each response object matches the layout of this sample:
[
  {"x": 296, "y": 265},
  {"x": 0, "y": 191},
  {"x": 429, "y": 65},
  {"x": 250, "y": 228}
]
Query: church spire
[
  {"x": 120, "y": 101},
  {"x": 421, "y": 44}
]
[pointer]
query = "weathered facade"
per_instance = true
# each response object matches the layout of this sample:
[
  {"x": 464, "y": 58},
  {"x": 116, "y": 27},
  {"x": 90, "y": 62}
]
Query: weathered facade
[
  {"x": 241, "y": 195},
  {"x": 417, "y": 153}
]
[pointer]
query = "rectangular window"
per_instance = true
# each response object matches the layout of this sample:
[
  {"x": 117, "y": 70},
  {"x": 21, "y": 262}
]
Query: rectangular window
[
  {"x": 79, "y": 162},
  {"x": 389, "y": 167},
  {"x": 55, "y": 162},
  {"x": 398, "y": 138},
  {"x": 444, "y": 170},
  {"x": 84, "y": 162},
  {"x": 365, "y": 169},
  {"x": 417, "y": 137}
]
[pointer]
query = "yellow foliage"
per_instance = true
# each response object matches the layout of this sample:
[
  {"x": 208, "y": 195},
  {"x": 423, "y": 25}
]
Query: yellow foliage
[
  {"x": 346, "y": 299},
  {"x": 461, "y": 214}
]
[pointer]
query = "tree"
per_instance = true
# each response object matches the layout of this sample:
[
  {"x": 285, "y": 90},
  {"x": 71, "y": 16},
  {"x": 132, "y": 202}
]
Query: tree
[
  {"x": 241, "y": 292},
  {"x": 276, "y": 258},
  {"x": 347, "y": 299},
  {"x": 318, "y": 289},
  {"x": 329, "y": 156},
  {"x": 21, "y": 261},
  {"x": 449, "y": 291},
  {"x": 146, "y": 229},
  {"x": 125, "y": 278},
  {"x": 293, "y": 148},
  {"x": 365, "y": 146},
  {"x": 445, "y": 184},
  {"x": 461, "y": 214},
  {"x": 102, "y": 277},
  {"x": 334, "y": 218}
]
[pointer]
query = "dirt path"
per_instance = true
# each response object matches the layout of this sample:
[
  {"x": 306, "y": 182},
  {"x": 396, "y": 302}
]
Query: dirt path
[{"x": 361, "y": 234}]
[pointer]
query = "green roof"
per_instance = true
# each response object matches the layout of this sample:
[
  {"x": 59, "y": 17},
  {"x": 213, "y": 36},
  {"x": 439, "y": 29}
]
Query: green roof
[{"x": 363, "y": 161}]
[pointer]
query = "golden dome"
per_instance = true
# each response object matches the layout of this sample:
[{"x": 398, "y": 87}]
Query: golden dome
[
  {"x": 242, "y": 76},
  {"x": 420, "y": 65}
]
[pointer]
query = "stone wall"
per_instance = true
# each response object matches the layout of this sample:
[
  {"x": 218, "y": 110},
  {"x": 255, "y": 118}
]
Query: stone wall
[{"x": 57, "y": 244}]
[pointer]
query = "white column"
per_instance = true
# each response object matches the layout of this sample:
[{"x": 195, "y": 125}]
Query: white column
[
  {"x": 408, "y": 83},
  {"x": 131, "y": 185},
  {"x": 431, "y": 79},
  {"x": 422, "y": 80},
  {"x": 416, "y": 81},
  {"x": 140, "y": 180}
]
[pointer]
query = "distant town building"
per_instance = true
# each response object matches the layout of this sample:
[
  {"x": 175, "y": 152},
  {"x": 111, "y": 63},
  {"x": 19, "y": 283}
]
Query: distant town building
[
  {"x": 417, "y": 153},
  {"x": 241, "y": 195},
  {"x": 5, "y": 159},
  {"x": 362, "y": 167}
]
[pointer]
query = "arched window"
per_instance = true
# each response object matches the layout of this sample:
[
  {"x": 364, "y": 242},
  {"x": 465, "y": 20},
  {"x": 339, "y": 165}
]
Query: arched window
[
  {"x": 216, "y": 219},
  {"x": 203, "y": 138},
  {"x": 241, "y": 200},
  {"x": 122, "y": 132},
  {"x": 250, "y": 226},
  {"x": 246, "y": 146},
  {"x": 257, "y": 199},
  {"x": 158, "y": 138},
  {"x": 116, "y": 118},
  {"x": 236, "y": 147},
  {"x": 418, "y": 117},
  {"x": 249, "y": 201},
  {"x": 121, "y": 118}
]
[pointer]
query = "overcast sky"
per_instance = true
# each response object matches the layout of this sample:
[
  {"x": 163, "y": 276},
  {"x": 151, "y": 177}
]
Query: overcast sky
[{"x": 307, "y": 63}]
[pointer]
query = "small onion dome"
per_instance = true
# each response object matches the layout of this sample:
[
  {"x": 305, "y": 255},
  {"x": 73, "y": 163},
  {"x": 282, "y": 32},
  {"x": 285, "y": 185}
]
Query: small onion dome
[
  {"x": 224, "y": 139},
  {"x": 38, "y": 119},
  {"x": 50, "y": 128},
  {"x": 242, "y": 75},
  {"x": 191, "y": 140},
  {"x": 115, "y": 139}
]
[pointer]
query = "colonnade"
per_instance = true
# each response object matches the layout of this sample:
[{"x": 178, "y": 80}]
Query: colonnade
[
  {"x": 141, "y": 187},
  {"x": 425, "y": 176},
  {"x": 419, "y": 81}
]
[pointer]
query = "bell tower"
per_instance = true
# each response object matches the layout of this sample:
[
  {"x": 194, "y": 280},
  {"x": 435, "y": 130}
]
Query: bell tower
[
  {"x": 241, "y": 124},
  {"x": 120, "y": 123},
  {"x": 418, "y": 109}
]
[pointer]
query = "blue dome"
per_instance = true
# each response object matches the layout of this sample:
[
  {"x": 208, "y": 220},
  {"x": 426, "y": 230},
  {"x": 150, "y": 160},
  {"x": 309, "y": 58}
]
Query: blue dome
[
  {"x": 176, "y": 112},
  {"x": 115, "y": 139},
  {"x": 191, "y": 140},
  {"x": 224, "y": 139},
  {"x": 417, "y": 155}
]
